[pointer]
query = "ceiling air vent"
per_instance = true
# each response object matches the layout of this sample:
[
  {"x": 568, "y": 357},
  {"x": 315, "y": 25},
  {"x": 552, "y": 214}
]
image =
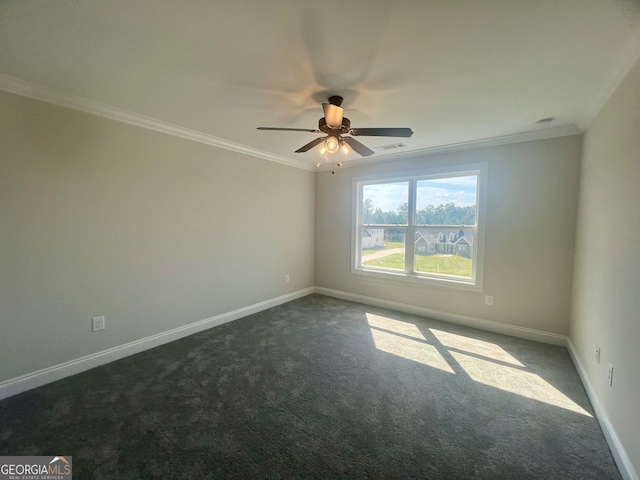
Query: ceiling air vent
[{"x": 391, "y": 146}]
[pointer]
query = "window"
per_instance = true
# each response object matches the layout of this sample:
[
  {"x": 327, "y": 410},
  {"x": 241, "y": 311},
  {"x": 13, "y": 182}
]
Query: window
[{"x": 425, "y": 226}]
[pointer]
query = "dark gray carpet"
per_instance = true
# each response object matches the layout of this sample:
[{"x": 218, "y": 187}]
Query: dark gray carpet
[{"x": 320, "y": 388}]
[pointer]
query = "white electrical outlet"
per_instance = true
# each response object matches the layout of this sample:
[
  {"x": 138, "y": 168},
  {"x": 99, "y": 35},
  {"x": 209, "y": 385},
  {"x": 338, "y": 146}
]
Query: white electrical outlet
[
  {"x": 610, "y": 375},
  {"x": 488, "y": 299},
  {"x": 597, "y": 354},
  {"x": 286, "y": 278},
  {"x": 97, "y": 323}
]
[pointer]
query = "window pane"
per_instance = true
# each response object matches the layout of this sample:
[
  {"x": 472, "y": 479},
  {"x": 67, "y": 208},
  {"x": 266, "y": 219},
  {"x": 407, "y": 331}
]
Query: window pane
[
  {"x": 447, "y": 201},
  {"x": 383, "y": 248},
  {"x": 444, "y": 250},
  {"x": 385, "y": 203}
]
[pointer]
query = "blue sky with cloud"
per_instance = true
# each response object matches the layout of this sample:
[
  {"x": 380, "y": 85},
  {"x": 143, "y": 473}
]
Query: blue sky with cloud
[{"x": 461, "y": 191}]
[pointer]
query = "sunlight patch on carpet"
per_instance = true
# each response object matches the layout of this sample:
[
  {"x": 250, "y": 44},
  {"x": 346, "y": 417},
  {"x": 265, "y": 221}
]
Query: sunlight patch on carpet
[
  {"x": 516, "y": 381},
  {"x": 382, "y": 331},
  {"x": 472, "y": 345},
  {"x": 404, "y": 328}
]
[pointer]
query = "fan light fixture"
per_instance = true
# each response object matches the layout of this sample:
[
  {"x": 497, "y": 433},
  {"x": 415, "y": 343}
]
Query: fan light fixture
[
  {"x": 322, "y": 150},
  {"x": 332, "y": 145},
  {"x": 344, "y": 149}
]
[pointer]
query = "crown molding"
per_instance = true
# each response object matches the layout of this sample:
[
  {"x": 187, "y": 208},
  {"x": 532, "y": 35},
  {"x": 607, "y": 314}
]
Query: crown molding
[
  {"x": 56, "y": 97},
  {"x": 547, "y": 133},
  {"x": 62, "y": 99},
  {"x": 625, "y": 63}
]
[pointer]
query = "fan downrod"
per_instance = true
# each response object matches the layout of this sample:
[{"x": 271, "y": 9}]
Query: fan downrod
[{"x": 336, "y": 100}]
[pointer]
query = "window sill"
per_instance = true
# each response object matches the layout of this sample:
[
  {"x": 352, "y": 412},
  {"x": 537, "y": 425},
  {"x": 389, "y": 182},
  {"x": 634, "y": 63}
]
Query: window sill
[{"x": 434, "y": 281}]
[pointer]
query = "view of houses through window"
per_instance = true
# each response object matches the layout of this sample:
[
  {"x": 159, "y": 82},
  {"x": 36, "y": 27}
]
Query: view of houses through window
[{"x": 424, "y": 226}]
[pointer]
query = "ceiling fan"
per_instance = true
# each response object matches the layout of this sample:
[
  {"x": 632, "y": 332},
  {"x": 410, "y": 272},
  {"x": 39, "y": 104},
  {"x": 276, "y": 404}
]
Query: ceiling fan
[{"x": 336, "y": 127}]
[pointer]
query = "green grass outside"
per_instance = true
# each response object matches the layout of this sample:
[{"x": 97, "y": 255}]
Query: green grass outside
[
  {"x": 386, "y": 245},
  {"x": 394, "y": 244},
  {"x": 395, "y": 260},
  {"x": 453, "y": 265}
]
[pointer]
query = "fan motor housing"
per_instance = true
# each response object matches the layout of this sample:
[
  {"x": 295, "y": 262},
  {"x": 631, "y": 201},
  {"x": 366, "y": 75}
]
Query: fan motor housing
[{"x": 323, "y": 127}]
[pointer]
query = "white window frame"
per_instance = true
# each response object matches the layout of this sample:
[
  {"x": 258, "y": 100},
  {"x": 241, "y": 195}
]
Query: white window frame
[{"x": 409, "y": 275}]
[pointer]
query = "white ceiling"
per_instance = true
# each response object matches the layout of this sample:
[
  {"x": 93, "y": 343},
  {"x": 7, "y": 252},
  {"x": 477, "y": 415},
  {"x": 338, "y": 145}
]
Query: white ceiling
[{"x": 453, "y": 70}]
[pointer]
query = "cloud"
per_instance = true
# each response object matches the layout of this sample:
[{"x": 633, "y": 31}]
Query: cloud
[
  {"x": 461, "y": 191},
  {"x": 387, "y": 196}
]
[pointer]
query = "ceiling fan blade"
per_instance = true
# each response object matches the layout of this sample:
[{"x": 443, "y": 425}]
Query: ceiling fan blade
[
  {"x": 333, "y": 115},
  {"x": 358, "y": 147},
  {"x": 312, "y": 130},
  {"x": 382, "y": 132},
  {"x": 310, "y": 145}
]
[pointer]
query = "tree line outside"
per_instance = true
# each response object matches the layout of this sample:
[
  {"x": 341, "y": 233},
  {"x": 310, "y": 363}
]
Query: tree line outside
[{"x": 443, "y": 214}]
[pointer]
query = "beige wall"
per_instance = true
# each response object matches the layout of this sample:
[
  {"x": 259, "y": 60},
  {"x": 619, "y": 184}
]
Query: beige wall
[
  {"x": 532, "y": 195},
  {"x": 606, "y": 296},
  {"x": 156, "y": 232},
  {"x": 99, "y": 217}
]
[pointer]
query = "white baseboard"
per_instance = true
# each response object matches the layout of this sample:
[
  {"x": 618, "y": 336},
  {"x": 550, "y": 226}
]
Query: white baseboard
[
  {"x": 36, "y": 379},
  {"x": 26, "y": 382},
  {"x": 619, "y": 453},
  {"x": 480, "y": 324},
  {"x": 617, "y": 449}
]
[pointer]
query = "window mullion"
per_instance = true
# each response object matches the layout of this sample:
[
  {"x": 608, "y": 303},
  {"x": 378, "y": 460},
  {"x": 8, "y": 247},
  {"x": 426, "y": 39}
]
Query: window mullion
[
  {"x": 410, "y": 234},
  {"x": 428, "y": 257}
]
